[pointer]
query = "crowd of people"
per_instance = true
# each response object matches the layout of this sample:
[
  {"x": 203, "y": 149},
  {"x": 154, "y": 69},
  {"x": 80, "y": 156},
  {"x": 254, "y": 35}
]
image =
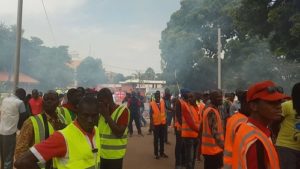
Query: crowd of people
[{"x": 255, "y": 128}]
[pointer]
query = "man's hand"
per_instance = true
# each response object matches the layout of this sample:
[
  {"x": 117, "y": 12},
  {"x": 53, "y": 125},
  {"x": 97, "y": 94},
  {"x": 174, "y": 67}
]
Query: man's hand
[{"x": 104, "y": 110}]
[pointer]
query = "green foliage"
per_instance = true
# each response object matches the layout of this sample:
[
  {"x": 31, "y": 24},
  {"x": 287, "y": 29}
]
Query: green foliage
[
  {"x": 46, "y": 64},
  {"x": 90, "y": 72},
  {"x": 118, "y": 77},
  {"x": 149, "y": 74},
  {"x": 251, "y": 34},
  {"x": 279, "y": 21}
]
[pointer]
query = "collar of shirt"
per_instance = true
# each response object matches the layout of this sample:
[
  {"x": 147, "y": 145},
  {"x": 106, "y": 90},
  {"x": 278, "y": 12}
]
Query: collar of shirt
[
  {"x": 261, "y": 126},
  {"x": 90, "y": 135}
]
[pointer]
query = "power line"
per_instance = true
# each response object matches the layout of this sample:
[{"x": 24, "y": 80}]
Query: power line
[
  {"x": 49, "y": 24},
  {"x": 123, "y": 68}
]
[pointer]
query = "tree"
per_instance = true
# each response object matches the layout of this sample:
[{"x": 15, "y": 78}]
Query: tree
[
  {"x": 118, "y": 78},
  {"x": 189, "y": 50},
  {"x": 46, "y": 64},
  {"x": 277, "y": 20},
  {"x": 149, "y": 74},
  {"x": 90, "y": 72}
]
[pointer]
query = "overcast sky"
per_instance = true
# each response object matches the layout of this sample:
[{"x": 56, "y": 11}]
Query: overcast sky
[{"x": 125, "y": 34}]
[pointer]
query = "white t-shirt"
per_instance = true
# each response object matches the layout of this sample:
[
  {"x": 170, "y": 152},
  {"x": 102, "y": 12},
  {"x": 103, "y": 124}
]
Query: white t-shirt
[{"x": 11, "y": 107}]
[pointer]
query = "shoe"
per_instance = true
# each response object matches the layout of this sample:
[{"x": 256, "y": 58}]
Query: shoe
[
  {"x": 130, "y": 135},
  {"x": 156, "y": 157},
  {"x": 140, "y": 134},
  {"x": 149, "y": 133},
  {"x": 164, "y": 155}
]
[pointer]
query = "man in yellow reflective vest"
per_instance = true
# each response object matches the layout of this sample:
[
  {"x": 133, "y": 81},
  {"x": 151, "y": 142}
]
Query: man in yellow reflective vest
[
  {"x": 113, "y": 130},
  {"x": 76, "y": 146},
  {"x": 36, "y": 130},
  {"x": 158, "y": 119}
]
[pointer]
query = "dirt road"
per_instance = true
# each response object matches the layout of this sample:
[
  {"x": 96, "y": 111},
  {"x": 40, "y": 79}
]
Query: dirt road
[{"x": 140, "y": 153}]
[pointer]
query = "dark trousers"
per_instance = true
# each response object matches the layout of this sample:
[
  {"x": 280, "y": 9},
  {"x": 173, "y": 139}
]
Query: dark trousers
[
  {"x": 190, "y": 147},
  {"x": 179, "y": 150},
  {"x": 111, "y": 163},
  {"x": 136, "y": 117},
  {"x": 158, "y": 131},
  {"x": 7, "y": 150},
  {"x": 213, "y": 161},
  {"x": 288, "y": 158}
]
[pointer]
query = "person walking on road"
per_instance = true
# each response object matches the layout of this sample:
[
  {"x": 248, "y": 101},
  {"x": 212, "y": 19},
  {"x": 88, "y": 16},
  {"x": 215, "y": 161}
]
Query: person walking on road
[
  {"x": 134, "y": 107},
  {"x": 158, "y": 118},
  {"x": 113, "y": 130}
]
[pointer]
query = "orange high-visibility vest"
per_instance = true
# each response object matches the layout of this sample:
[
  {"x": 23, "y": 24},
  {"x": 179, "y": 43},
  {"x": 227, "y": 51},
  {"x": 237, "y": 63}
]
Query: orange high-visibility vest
[
  {"x": 209, "y": 145},
  {"x": 201, "y": 107},
  {"x": 177, "y": 125},
  {"x": 246, "y": 135},
  {"x": 158, "y": 115},
  {"x": 233, "y": 123},
  {"x": 186, "y": 130}
]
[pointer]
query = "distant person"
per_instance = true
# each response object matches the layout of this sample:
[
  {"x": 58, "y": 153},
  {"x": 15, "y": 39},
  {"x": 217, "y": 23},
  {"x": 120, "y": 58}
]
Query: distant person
[
  {"x": 27, "y": 114},
  {"x": 36, "y": 102},
  {"x": 142, "y": 108},
  {"x": 34, "y": 130},
  {"x": 113, "y": 130},
  {"x": 158, "y": 116},
  {"x": 76, "y": 146},
  {"x": 73, "y": 96},
  {"x": 288, "y": 140},
  {"x": 134, "y": 107},
  {"x": 253, "y": 147},
  {"x": 11, "y": 108},
  {"x": 167, "y": 100}
]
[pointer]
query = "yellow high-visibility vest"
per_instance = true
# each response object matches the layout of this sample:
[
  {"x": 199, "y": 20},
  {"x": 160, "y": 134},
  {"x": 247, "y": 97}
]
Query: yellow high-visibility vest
[
  {"x": 66, "y": 113},
  {"x": 39, "y": 129},
  {"x": 112, "y": 147},
  {"x": 81, "y": 154}
]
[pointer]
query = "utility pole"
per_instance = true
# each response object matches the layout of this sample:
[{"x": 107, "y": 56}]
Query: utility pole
[
  {"x": 219, "y": 58},
  {"x": 18, "y": 45}
]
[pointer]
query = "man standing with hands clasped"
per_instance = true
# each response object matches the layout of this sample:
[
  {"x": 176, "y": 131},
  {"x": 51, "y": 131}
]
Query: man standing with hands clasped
[
  {"x": 113, "y": 130},
  {"x": 158, "y": 118}
]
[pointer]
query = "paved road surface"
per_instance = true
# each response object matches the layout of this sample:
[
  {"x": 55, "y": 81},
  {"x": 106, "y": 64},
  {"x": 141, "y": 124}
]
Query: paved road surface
[{"x": 140, "y": 153}]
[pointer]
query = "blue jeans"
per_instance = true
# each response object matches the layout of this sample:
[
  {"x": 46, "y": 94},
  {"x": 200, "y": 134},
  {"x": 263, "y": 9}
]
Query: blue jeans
[{"x": 7, "y": 150}]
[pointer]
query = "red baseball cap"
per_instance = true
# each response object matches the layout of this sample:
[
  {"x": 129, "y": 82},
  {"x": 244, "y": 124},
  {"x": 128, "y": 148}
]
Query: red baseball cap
[{"x": 266, "y": 90}]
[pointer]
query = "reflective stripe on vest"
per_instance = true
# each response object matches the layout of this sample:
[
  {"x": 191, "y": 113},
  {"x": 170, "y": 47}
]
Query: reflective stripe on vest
[
  {"x": 232, "y": 124},
  {"x": 246, "y": 136},
  {"x": 39, "y": 128},
  {"x": 187, "y": 132},
  {"x": 112, "y": 147},
  {"x": 209, "y": 145},
  {"x": 158, "y": 114},
  {"x": 80, "y": 151},
  {"x": 65, "y": 113}
]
